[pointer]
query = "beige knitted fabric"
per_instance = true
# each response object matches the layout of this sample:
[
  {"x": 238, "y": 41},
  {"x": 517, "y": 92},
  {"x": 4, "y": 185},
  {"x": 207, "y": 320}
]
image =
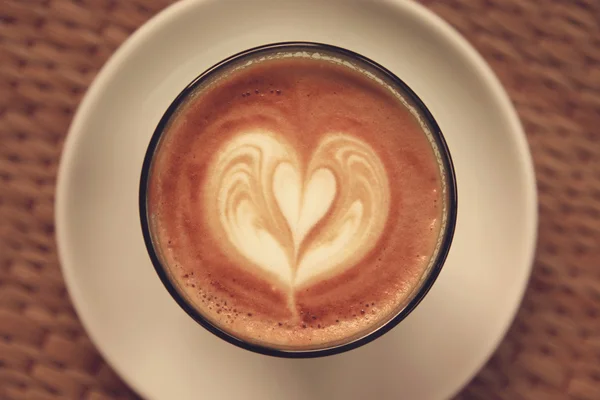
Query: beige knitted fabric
[{"x": 546, "y": 53}]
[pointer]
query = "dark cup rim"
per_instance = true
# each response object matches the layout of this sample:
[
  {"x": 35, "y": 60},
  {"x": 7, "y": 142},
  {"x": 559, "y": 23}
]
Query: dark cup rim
[{"x": 425, "y": 284}]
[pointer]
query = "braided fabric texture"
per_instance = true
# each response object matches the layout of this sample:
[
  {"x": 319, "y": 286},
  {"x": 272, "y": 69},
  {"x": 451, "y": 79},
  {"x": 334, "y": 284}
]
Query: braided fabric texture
[{"x": 547, "y": 55}]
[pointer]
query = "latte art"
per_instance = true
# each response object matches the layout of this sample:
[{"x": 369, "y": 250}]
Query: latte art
[
  {"x": 294, "y": 202},
  {"x": 297, "y": 219}
]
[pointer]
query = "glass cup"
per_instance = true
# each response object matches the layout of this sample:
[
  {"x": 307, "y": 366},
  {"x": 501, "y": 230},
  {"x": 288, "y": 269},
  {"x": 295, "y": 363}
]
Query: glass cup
[{"x": 431, "y": 130}]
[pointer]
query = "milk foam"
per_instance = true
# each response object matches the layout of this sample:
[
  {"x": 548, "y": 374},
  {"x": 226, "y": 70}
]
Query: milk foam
[
  {"x": 297, "y": 220},
  {"x": 296, "y": 201}
]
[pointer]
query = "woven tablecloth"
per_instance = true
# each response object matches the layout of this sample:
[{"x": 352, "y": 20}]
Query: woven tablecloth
[{"x": 547, "y": 55}]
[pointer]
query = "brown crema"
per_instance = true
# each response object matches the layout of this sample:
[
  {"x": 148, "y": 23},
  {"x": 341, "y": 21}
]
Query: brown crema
[{"x": 256, "y": 261}]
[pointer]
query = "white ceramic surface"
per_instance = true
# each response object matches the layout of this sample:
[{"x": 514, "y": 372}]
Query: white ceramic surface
[{"x": 155, "y": 346}]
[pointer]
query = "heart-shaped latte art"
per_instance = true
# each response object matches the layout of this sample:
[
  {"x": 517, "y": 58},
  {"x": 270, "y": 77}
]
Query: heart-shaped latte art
[{"x": 292, "y": 219}]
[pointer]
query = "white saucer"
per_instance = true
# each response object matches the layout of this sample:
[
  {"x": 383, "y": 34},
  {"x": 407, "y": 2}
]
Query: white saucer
[{"x": 155, "y": 346}]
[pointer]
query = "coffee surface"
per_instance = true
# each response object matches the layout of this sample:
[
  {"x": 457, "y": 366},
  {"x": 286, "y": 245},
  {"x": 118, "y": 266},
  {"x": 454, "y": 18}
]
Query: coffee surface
[{"x": 295, "y": 202}]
